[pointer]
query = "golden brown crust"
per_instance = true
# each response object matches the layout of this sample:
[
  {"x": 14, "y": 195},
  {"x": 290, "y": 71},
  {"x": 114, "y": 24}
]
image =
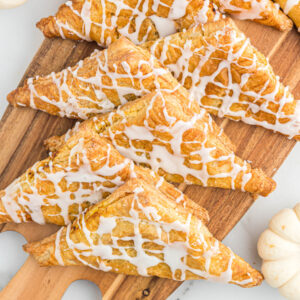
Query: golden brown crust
[
  {"x": 40, "y": 179},
  {"x": 294, "y": 12},
  {"x": 68, "y": 24},
  {"x": 270, "y": 15},
  {"x": 120, "y": 52},
  {"x": 118, "y": 205},
  {"x": 136, "y": 112},
  {"x": 220, "y": 60}
]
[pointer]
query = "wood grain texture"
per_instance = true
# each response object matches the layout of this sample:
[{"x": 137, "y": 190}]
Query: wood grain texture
[{"x": 22, "y": 131}]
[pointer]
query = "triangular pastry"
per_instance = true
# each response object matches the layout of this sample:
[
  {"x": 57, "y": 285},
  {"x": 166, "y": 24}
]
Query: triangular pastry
[
  {"x": 292, "y": 9},
  {"x": 262, "y": 11},
  {"x": 218, "y": 65},
  {"x": 178, "y": 140},
  {"x": 84, "y": 171},
  {"x": 104, "y": 21},
  {"x": 215, "y": 62},
  {"x": 99, "y": 83},
  {"x": 137, "y": 230}
]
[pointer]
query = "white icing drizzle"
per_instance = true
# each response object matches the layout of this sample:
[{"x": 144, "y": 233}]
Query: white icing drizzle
[
  {"x": 289, "y": 4},
  {"x": 166, "y": 154},
  {"x": 23, "y": 198},
  {"x": 234, "y": 93},
  {"x": 251, "y": 13},
  {"x": 19, "y": 197},
  {"x": 174, "y": 253},
  {"x": 139, "y": 13},
  {"x": 271, "y": 93},
  {"x": 73, "y": 102}
]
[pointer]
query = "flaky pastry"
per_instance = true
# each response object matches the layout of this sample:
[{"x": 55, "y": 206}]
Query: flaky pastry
[
  {"x": 104, "y": 21},
  {"x": 137, "y": 230},
  {"x": 177, "y": 139},
  {"x": 84, "y": 171},
  {"x": 262, "y": 11},
  {"x": 292, "y": 9},
  {"x": 215, "y": 62},
  {"x": 218, "y": 65},
  {"x": 99, "y": 83}
]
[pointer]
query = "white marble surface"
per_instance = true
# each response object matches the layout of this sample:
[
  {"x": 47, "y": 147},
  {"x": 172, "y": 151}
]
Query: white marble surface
[{"x": 19, "y": 41}]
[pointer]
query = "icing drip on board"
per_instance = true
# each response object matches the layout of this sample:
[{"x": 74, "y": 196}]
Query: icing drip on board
[
  {"x": 143, "y": 20},
  {"x": 202, "y": 60},
  {"x": 195, "y": 242}
]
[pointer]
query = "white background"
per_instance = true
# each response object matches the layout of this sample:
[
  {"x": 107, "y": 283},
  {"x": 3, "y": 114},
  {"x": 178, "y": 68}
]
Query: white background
[{"x": 19, "y": 42}]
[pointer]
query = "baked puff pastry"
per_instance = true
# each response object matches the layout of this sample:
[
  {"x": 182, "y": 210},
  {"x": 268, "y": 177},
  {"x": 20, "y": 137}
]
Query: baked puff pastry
[
  {"x": 137, "y": 230},
  {"x": 262, "y": 11},
  {"x": 104, "y": 21},
  {"x": 177, "y": 139},
  {"x": 218, "y": 66},
  {"x": 292, "y": 9},
  {"x": 99, "y": 83},
  {"x": 215, "y": 62},
  {"x": 84, "y": 171}
]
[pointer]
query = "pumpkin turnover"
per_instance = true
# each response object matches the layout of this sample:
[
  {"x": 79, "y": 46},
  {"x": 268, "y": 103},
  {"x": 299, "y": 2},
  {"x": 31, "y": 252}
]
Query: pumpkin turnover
[
  {"x": 84, "y": 171},
  {"x": 137, "y": 230},
  {"x": 104, "y": 21},
  {"x": 178, "y": 140},
  {"x": 99, "y": 83},
  {"x": 220, "y": 68},
  {"x": 215, "y": 62}
]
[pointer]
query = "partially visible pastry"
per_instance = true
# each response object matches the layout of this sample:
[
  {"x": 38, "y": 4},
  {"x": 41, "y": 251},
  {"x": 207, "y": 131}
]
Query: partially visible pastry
[
  {"x": 84, "y": 171},
  {"x": 261, "y": 11},
  {"x": 220, "y": 68},
  {"x": 215, "y": 62},
  {"x": 292, "y": 9},
  {"x": 137, "y": 230},
  {"x": 104, "y": 21},
  {"x": 177, "y": 139}
]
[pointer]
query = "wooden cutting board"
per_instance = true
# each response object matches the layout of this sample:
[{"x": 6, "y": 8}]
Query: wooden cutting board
[{"x": 22, "y": 131}]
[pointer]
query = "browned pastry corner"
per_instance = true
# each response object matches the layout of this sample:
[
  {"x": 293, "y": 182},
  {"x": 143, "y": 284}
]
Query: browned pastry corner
[
  {"x": 137, "y": 230},
  {"x": 84, "y": 171},
  {"x": 178, "y": 140}
]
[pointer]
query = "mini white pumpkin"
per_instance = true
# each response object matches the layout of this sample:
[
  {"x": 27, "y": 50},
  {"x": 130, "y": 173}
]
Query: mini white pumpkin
[
  {"x": 279, "y": 247},
  {"x": 10, "y": 3}
]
